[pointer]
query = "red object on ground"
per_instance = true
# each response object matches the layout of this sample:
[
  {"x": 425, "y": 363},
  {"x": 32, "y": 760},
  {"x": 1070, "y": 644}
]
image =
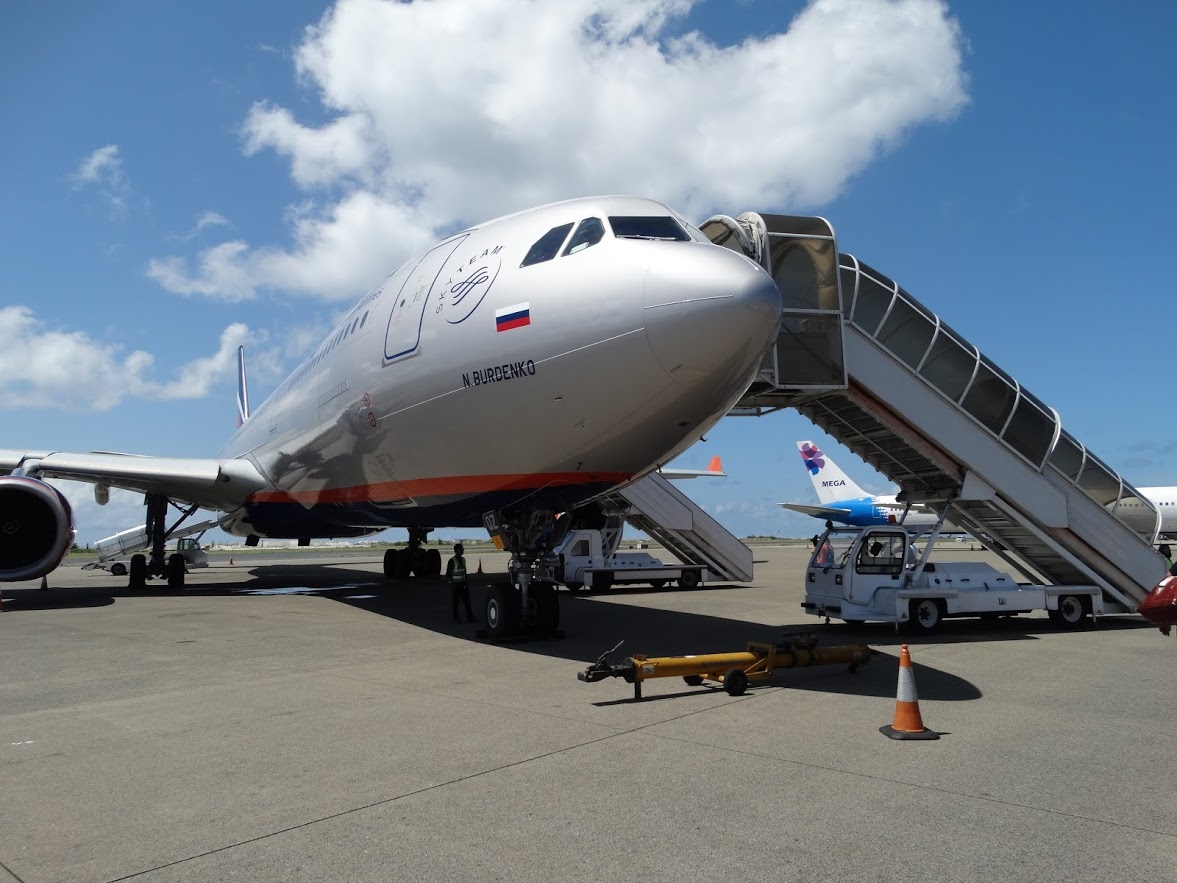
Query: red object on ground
[{"x": 1160, "y": 607}]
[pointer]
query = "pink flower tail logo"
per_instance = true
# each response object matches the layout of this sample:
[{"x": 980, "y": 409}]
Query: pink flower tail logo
[{"x": 813, "y": 458}]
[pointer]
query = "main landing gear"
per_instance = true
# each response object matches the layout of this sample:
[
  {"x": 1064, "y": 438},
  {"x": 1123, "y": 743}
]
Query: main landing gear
[
  {"x": 528, "y": 606},
  {"x": 170, "y": 567},
  {"x": 413, "y": 560}
]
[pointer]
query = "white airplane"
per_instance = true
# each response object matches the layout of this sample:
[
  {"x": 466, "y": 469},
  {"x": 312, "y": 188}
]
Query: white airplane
[
  {"x": 1165, "y": 500},
  {"x": 844, "y": 502},
  {"x": 518, "y": 369}
]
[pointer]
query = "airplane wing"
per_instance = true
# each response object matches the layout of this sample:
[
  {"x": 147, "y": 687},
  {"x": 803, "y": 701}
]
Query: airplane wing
[
  {"x": 816, "y": 511},
  {"x": 209, "y": 483}
]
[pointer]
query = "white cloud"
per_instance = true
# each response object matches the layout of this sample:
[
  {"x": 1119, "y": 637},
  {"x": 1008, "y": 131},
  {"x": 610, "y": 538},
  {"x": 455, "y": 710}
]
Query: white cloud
[
  {"x": 437, "y": 121},
  {"x": 45, "y": 367},
  {"x": 103, "y": 169},
  {"x": 103, "y": 166}
]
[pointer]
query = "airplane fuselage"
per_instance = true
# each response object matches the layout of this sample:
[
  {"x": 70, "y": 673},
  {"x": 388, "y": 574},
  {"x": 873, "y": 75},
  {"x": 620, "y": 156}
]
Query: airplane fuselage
[{"x": 510, "y": 363}]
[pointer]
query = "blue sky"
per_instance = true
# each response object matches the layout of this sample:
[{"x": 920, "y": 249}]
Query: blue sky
[{"x": 180, "y": 178}]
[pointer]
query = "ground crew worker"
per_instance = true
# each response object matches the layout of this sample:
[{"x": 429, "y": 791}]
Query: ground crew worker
[
  {"x": 1168, "y": 556},
  {"x": 455, "y": 572}
]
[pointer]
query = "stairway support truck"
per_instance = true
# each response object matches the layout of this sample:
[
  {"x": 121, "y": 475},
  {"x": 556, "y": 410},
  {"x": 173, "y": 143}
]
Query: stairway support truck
[{"x": 875, "y": 574}]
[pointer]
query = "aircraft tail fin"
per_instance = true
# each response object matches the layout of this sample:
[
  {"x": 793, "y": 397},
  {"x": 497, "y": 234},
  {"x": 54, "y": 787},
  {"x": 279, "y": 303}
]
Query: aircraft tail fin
[
  {"x": 716, "y": 465},
  {"x": 242, "y": 388},
  {"x": 830, "y": 482}
]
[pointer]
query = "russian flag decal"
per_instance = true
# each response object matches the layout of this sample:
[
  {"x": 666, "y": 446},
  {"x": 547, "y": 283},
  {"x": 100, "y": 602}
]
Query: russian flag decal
[{"x": 513, "y": 317}]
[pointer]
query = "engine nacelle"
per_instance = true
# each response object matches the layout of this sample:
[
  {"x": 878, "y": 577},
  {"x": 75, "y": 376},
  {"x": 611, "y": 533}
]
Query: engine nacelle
[{"x": 36, "y": 528}]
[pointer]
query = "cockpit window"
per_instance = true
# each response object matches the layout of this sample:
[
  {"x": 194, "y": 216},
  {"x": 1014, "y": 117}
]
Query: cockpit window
[
  {"x": 588, "y": 233},
  {"x": 547, "y": 246},
  {"x": 648, "y": 227}
]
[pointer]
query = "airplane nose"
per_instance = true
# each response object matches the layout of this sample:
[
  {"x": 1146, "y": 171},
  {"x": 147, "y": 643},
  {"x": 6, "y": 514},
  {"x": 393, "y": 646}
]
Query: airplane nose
[{"x": 709, "y": 313}]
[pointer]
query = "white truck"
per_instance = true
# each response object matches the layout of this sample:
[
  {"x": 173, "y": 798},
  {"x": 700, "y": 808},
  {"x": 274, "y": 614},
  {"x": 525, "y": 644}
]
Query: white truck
[
  {"x": 586, "y": 564},
  {"x": 877, "y": 574},
  {"x": 134, "y": 539}
]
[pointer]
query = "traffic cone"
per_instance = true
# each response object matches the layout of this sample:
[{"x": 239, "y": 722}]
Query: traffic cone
[
  {"x": 479, "y": 566},
  {"x": 44, "y": 584},
  {"x": 1, "y": 600},
  {"x": 907, "y": 723},
  {"x": 230, "y": 560}
]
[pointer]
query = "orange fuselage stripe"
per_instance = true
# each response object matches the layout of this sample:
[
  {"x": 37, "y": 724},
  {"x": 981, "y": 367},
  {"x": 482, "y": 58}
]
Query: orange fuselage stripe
[{"x": 452, "y": 486}]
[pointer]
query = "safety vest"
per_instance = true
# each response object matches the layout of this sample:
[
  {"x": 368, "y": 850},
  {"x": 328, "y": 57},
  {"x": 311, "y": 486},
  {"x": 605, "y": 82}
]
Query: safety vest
[{"x": 458, "y": 574}]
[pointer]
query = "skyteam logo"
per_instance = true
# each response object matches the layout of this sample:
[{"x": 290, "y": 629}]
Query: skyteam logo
[{"x": 813, "y": 459}]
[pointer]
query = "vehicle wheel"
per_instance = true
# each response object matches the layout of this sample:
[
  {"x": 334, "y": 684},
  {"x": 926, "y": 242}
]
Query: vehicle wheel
[
  {"x": 1072, "y": 611},
  {"x": 854, "y": 623},
  {"x": 689, "y": 579},
  {"x": 925, "y": 615},
  {"x": 602, "y": 582},
  {"x": 433, "y": 562},
  {"x": 176, "y": 570},
  {"x": 693, "y": 680},
  {"x": 118, "y": 569},
  {"x": 138, "y": 573},
  {"x": 390, "y": 563},
  {"x": 502, "y": 612},
  {"x": 657, "y": 583},
  {"x": 574, "y": 586},
  {"x": 735, "y": 682},
  {"x": 547, "y": 608}
]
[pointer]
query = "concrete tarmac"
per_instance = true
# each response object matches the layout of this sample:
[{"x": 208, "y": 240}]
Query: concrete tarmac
[{"x": 299, "y": 718}]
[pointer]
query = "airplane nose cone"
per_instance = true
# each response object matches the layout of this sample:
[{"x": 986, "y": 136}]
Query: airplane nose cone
[{"x": 709, "y": 314}]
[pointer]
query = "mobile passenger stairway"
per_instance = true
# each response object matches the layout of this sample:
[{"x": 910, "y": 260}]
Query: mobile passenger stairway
[
  {"x": 654, "y": 505},
  {"x": 882, "y": 374}
]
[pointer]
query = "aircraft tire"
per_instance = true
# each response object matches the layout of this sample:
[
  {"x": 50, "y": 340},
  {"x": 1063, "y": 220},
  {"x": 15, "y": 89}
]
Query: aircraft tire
[
  {"x": 390, "y": 563},
  {"x": 404, "y": 563},
  {"x": 502, "y": 612},
  {"x": 433, "y": 562},
  {"x": 547, "y": 608},
  {"x": 137, "y": 579},
  {"x": 176, "y": 571}
]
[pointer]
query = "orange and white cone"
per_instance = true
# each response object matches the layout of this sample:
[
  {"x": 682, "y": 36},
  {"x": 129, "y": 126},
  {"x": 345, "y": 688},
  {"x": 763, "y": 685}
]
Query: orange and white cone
[{"x": 907, "y": 723}]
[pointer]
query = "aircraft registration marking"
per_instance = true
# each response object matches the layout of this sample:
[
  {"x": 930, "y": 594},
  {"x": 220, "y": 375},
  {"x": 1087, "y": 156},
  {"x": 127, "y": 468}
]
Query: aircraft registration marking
[{"x": 499, "y": 373}]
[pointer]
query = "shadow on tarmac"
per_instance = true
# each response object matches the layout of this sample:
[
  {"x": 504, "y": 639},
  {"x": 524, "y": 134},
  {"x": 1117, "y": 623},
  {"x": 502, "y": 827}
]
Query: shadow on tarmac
[{"x": 591, "y": 627}]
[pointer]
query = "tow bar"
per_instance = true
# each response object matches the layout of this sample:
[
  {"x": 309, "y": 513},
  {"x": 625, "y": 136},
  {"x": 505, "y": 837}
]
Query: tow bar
[{"x": 732, "y": 670}]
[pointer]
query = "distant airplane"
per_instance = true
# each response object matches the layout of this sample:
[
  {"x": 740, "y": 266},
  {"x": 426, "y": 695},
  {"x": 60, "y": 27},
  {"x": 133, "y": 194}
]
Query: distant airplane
[
  {"x": 844, "y": 502},
  {"x": 518, "y": 369},
  {"x": 1165, "y": 500},
  {"x": 714, "y": 470}
]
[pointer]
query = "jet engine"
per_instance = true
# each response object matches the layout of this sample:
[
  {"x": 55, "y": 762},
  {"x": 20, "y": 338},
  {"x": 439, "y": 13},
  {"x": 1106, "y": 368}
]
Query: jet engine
[{"x": 36, "y": 528}]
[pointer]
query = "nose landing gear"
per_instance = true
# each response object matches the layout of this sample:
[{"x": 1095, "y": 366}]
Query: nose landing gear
[{"x": 528, "y": 606}]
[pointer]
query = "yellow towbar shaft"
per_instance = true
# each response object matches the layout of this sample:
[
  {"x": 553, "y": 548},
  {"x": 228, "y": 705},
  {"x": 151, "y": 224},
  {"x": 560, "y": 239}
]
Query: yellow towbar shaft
[{"x": 732, "y": 670}]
